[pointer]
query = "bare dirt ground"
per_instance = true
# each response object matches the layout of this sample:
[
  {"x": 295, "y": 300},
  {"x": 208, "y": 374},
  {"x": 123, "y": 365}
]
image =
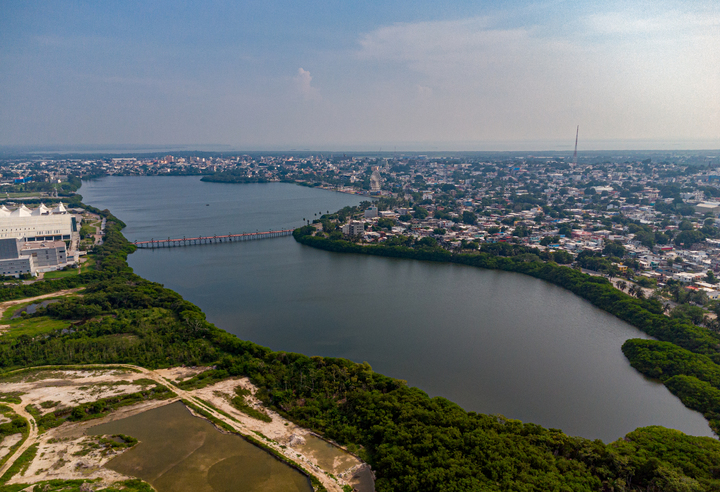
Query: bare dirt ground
[
  {"x": 67, "y": 453},
  {"x": 67, "y": 459},
  {"x": 57, "y": 388},
  {"x": 178, "y": 374},
  {"x": 314, "y": 456},
  {"x": 9, "y": 442}
]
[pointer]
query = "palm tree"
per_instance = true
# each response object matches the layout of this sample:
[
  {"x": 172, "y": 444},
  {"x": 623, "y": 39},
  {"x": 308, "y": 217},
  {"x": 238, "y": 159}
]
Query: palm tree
[{"x": 623, "y": 285}]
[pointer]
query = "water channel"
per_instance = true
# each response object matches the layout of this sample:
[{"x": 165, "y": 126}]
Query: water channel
[{"x": 493, "y": 342}]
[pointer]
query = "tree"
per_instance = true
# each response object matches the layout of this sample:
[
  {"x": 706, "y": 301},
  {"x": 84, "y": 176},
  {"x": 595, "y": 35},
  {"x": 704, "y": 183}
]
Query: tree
[
  {"x": 468, "y": 217},
  {"x": 688, "y": 313},
  {"x": 710, "y": 277},
  {"x": 614, "y": 249},
  {"x": 420, "y": 212},
  {"x": 689, "y": 237}
]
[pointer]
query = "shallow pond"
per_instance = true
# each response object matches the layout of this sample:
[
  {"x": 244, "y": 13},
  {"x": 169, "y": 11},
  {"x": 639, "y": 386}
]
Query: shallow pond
[
  {"x": 182, "y": 453},
  {"x": 31, "y": 308}
]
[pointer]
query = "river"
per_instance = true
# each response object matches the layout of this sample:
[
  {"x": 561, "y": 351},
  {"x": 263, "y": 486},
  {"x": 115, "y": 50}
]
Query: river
[{"x": 491, "y": 341}]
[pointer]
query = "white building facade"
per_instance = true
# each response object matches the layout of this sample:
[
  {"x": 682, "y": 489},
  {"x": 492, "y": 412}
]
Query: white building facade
[{"x": 40, "y": 224}]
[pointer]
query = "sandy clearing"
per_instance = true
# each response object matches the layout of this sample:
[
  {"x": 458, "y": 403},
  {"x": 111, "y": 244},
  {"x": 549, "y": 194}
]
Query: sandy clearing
[
  {"x": 72, "y": 388},
  {"x": 280, "y": 429},
  {"x": 29, "y": 441},
  {"x": 70, "y": 459},
  {"x": 9, "y": 442},
  {"x": 75, "y": 386},
  {"x": 181, "y": 373}
]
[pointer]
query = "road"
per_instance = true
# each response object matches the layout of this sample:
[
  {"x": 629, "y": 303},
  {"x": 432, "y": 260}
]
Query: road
[{"x": 31, "y": 438}]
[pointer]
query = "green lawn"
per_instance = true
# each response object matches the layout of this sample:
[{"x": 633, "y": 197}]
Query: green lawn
[
  {"x": 58, "y": 274},
  {"x": 23, "y": 194},
  {"x": 88, "y": 265},
  {"x": 34, "y": 326},
  {"x": 29, "y": 326}
]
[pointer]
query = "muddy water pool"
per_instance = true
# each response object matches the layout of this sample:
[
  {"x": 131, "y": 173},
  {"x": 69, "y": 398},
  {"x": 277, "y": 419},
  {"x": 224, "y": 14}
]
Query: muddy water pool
[{"x": 182, "y": 453}]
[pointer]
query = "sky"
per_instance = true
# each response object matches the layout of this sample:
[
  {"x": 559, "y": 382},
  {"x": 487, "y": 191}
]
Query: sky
[{"x": 371, "y": 75}]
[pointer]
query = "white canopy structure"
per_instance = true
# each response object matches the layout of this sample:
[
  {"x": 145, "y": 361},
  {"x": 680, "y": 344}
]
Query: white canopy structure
[
  {"x": 41, "y": 210},
  {"x": 22, "y": 211},
  {"x": 39, "y": 224}
]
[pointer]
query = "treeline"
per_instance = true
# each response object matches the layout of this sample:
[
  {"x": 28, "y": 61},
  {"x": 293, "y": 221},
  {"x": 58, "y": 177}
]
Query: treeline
[
  {"x": 413, "y": 442},
  {"x": 692, "y": 377},
  {"x": 233, "y": 176}
]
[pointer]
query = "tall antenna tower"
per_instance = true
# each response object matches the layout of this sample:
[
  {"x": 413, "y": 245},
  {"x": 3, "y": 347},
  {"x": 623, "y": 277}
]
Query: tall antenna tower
[{"x": 576, "y": 139}]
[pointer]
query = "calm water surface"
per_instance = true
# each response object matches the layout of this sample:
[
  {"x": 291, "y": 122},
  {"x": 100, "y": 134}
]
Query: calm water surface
[{"x": 494, "y": 342}]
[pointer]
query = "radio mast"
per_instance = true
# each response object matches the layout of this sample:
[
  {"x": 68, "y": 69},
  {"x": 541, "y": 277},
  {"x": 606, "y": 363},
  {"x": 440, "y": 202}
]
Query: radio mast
[{"x": 576, "y": 139}]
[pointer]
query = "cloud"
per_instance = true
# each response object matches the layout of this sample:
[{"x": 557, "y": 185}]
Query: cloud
[
  {"x": 424, "y": 92},
  {"x": 620, "y": 74},
  {"x": 303, "y": 81},
  {"x": 669, "y": 23}
]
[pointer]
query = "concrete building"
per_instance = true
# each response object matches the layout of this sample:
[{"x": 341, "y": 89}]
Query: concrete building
[
  {"x": 12, "y": 264},
  {"x": 705, "y": 207},
  {"x": 353, "y": 229},
  {"x": 371, "y": 212},
  {"x": 40, "y": 224},
  {"x": 47, "y": 256}
]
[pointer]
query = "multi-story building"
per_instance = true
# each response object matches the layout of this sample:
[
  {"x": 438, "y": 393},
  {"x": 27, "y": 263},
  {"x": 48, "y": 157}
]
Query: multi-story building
[
  {"x": 353, "y": 229},
  {"x": 12, "y": 264},
  {"x": 47, "y": 255}
]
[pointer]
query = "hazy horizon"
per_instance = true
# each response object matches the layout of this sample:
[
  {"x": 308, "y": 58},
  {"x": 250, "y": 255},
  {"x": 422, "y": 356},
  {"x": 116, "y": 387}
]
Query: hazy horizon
[
  {"x": 415, "y": 148},
  {"x": 278, "y": 75}
]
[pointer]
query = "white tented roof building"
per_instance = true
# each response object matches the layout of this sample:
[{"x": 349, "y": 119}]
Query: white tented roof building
[{"x": 39, "y": 224}]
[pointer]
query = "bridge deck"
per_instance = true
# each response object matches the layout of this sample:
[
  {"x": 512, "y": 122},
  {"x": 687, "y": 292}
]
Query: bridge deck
[{"x": 190, "y": 241}]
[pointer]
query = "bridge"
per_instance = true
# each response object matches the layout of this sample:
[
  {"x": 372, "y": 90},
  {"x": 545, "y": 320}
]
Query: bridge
[{"x": 228, "y": 238}]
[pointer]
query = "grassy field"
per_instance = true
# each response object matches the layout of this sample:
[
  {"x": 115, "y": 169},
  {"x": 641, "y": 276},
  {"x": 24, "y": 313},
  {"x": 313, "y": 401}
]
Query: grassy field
[
  {"x": 28, "y": 326},
  {"x": 34, "y": 326},
  {"x": 88, "y": 265},
  {"x": 23, "y": 194},
  {"x": 58, "y": 274}
]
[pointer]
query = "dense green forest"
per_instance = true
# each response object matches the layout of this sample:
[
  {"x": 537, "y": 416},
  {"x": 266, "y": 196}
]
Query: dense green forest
[
  {"x": 233, "y": 176},
  {"x": 413, "y": 442}
]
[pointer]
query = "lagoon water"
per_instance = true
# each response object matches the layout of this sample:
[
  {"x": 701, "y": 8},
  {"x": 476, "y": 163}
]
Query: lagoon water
[{"x": 493, "y": 342}]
